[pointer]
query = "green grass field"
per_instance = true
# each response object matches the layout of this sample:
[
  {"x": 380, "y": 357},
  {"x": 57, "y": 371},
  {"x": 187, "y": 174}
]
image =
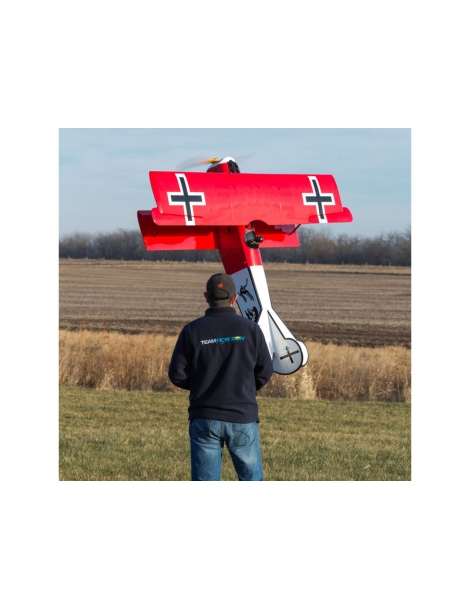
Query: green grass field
[{"x": 116, "y": 435}]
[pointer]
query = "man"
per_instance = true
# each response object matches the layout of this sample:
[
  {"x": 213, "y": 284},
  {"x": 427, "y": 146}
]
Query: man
[{"x": 222, "y": 359}]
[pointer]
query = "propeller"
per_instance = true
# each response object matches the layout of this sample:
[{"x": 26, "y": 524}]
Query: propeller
[{"x": 195, "y": 161}]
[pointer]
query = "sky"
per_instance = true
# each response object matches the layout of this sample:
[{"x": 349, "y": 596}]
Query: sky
[{"x": 103, "y": 173}]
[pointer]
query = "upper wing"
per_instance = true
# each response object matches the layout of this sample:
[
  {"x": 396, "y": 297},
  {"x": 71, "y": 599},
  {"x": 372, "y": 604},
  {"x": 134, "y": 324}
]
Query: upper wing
[{"x": 203, "y": 199}]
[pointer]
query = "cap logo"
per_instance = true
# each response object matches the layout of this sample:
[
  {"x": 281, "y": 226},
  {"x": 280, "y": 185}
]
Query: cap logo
[{"x": 220, "y": 285}]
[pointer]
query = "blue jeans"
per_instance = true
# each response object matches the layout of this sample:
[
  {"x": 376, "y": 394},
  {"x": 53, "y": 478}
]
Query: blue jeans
[{"x": 207, "y": 442}]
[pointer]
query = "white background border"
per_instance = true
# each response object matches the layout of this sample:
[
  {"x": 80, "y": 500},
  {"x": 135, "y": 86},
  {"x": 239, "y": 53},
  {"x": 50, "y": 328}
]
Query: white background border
[{"x": 333, "y": 545}]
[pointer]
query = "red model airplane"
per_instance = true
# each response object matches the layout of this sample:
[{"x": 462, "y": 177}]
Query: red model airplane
[{"x": 239, "y": 214}]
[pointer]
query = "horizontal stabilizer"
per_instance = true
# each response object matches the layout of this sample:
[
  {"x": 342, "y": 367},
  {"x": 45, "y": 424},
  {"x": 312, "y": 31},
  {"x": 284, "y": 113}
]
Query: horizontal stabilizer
[{"x": 289, "y": 354}]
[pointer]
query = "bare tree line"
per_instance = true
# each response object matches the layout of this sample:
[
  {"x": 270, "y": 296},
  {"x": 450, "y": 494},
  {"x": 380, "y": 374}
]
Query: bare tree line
[{"x": 316, "y": 247}]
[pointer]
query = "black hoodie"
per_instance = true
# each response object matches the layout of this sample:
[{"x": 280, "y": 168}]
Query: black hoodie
[{"x": 222, "y": 359}]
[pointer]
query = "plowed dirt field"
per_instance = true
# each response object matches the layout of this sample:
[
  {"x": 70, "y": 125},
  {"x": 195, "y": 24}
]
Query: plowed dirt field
[{"x": 359, "y": 306}]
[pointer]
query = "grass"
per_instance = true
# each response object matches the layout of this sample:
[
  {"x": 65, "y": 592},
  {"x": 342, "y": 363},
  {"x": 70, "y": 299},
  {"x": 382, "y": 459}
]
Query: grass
[{"x": 117, "y": 435}]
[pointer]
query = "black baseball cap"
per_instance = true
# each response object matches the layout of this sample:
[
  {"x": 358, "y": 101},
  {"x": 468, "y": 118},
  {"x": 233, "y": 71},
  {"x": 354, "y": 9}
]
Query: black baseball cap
[{"x": 220, "y": 287}]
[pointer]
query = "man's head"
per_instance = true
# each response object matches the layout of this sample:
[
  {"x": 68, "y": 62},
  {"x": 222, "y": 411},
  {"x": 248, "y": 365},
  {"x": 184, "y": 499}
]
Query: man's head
[{"x": 221, "y": 291}]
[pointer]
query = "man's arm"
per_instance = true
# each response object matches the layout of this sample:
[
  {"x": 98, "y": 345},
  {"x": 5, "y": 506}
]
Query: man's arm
[
  {"x": 264, "y": 365},
  {"x": 178, "y": 371}
]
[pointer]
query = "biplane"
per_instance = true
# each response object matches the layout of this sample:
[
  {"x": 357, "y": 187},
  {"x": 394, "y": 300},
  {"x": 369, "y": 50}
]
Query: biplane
[{"x": 240, "y": 214}]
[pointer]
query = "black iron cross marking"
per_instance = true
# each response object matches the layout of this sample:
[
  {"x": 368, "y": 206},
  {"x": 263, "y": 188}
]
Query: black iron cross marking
[
  {"x": 186, "y": 198},
  {"x": 319, "y": 199},
  {"x": 289, "y": 354}
]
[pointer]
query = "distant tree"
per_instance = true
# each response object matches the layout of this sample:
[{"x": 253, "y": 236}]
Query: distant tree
[
  {"x": 76, "y": 245},
  {"x": 316, "y": 247}
]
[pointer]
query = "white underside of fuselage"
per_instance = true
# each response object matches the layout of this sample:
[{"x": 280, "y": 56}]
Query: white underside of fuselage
[{"x": 288, "y": 354}]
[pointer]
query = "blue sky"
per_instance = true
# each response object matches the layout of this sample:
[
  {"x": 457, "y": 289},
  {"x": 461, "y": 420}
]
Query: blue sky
[{"x": 103, "y": 173}]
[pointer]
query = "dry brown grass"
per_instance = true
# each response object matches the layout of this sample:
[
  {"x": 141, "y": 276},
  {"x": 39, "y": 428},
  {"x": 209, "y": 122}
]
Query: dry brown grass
[
  {"x": 107, "y": 360},
  {"x": 115, "y": 361},
  {"x": 339, "y": 372}
]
